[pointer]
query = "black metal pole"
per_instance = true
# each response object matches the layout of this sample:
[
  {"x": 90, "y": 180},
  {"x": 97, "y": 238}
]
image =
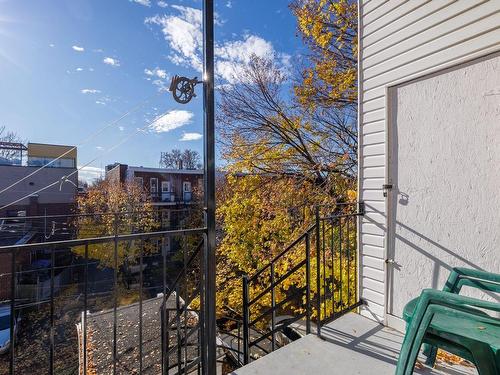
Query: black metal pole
[
  {"x": 318, "y": 272},
  {"x": 52, "y": 312},
  {"x": 273, "y": 307},
  {"x": 115, "y": 292},
  {"x": 246, "y": 319},
  {"x": 13, "y": 320},
  {"x": 308, "y": 283},
  {"x": 209, "y": 150}
]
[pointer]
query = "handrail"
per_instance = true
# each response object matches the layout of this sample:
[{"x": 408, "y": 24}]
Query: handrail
[
  {"x": 339, "y": 228},
  {"x": 96, "y": 240},
  {"x": 276, "y": 258},
  {"x": 179, "y": 275},
  {"x": 301, "y": 237},
  {"x": 277, "y": 282}
]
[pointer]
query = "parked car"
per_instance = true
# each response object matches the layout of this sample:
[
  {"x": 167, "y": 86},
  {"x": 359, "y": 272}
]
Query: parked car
[{"x": 5, "y": 328}]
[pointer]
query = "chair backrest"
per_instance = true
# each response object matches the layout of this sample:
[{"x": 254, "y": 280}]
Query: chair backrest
[{"x": 483, "y": 280}]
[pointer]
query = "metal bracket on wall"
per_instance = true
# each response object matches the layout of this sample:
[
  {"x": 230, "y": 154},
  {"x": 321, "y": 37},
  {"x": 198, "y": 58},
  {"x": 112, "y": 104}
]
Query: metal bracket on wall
[{"x": 386, "y": 188}]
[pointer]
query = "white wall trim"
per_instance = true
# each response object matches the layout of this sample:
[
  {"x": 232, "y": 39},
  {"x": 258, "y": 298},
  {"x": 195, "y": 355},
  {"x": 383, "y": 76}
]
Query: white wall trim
[{"x": 360, "y": 140}]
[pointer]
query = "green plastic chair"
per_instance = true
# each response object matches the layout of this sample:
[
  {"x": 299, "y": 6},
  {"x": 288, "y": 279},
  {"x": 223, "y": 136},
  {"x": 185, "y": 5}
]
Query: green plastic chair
[
  {"x": 458, "y": 278},
  {"x": 445, "y": 320}
]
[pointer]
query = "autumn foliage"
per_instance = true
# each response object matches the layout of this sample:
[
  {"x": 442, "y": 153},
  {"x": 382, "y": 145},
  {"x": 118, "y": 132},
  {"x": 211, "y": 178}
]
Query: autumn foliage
[
  {"x": 114, "y": 208},
  {"x": 290, "y": 143}
]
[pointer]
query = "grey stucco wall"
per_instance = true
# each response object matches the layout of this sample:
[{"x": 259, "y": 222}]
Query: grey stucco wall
[
  {"x": 55, "y": 194},
  {"x": 445, "y": 148}
]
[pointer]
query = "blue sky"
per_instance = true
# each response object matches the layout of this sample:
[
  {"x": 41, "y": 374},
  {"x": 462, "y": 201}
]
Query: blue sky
[{"x": 72, "y": 67}]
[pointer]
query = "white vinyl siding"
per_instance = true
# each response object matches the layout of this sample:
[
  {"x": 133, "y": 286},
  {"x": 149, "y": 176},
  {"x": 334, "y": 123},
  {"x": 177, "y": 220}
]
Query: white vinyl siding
[{"x": 399, "y": 41}]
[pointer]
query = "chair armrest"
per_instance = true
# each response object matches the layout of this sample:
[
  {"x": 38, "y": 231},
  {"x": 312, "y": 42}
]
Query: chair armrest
[
  {"x": 460, "y": 277},
  {"x": 432, "y": 296}
]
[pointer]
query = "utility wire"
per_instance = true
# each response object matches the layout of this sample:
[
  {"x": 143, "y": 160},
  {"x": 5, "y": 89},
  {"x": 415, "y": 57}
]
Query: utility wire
[
  {"x": 65, "y": 178},
  {"x": 85, "y": 141}
]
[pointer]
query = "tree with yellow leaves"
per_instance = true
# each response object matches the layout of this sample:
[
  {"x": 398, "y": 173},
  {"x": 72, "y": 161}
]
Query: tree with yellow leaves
[
  {"x": 108, "y": 209},
  {"x": 329, "y": 30},
  {"x": 288, "y": 151}
]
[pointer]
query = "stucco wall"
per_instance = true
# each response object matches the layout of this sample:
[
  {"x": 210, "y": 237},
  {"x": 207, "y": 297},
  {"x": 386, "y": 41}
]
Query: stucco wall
[
  {"x": 56, "y": 194},
  {"x": 401, "y": 41},
  {"x": 444, "y": 208}
]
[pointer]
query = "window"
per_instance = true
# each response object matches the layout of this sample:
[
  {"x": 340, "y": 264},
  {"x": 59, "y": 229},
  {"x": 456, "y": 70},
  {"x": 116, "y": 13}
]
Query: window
[
  {"x": 139, "y": 181},
  {"x": 186, "y": 186},
  {"x": 165, "y": 186},
  {"x": 153, "y": 185},
  {"x": 38, "y": 161}
]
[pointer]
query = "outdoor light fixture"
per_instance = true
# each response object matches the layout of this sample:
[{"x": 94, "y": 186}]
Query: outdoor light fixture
[{"x": 182, "y": 88}]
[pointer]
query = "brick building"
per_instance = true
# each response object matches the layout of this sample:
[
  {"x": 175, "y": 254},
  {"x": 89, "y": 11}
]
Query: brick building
[{"x": 167, "y": 187}]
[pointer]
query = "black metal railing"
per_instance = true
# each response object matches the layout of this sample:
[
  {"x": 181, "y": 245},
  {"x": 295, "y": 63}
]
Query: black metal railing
[
  {"x": 136, "y": 303},
  {"x": 336, "y": 263},
  {"x": 135, "y": 294},
  {"x": 315, "y": 277}
]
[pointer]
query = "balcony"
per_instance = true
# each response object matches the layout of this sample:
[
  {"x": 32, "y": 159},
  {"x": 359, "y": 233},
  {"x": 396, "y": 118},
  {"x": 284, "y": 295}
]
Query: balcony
[
  {"x": 141, "y": 310},
  {"x": 168, "y": 197},
  {"x": 351, "y": 344}
]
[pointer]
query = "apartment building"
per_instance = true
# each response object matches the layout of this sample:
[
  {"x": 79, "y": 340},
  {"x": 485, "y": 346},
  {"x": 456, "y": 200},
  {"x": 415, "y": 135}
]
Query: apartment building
[
  {"x": 23, "y": 183},
  {"x": 167, "y": 187},
  {"x": 34, "y": 201},
  {"x": 173, "y": 192}
]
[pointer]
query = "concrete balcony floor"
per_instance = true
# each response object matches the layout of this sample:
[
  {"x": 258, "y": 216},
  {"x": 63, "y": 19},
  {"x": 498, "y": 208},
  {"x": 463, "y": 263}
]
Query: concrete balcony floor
[{"x": 353, "y": 345}]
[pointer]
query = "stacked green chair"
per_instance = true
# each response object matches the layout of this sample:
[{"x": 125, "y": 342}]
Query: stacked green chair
[{"x": 457, "y": 324}]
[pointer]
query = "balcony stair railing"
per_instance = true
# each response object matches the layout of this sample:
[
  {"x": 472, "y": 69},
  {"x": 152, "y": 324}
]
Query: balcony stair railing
[{"x": 324, "y": 282}]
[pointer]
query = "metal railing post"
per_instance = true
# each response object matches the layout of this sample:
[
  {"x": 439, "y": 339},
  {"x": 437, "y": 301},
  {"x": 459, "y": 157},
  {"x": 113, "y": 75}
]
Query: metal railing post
[
  {"x": 203, "y": 316},
  {"x": 246, "y": 318},
  {"x": 141, "y": 283},
  {"x": 308, "y": 283},
  {"x": 85, "y": 307},
  {"x": 164, "y": 326},
  {"x": 52, "y": 312},
  {"x": 209, "y": 193},
  {"x": 318, "y": 271},
  {"x": 115, "y": 290},
  {"x": 12, "y": 310},
  {"x": 273, "y": 313}
]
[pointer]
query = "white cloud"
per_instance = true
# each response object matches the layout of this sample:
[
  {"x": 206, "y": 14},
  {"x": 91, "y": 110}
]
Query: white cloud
[
  {"x": 162, "y": 4},
  {"x": 160, "y": 73},
  {"x": 89, "y": 174},
  {"x": 172, "y": 120},
  {"x": 190, "y": 137},
  {"x": 146, "y": 3},
  {"x": 52, "y": 45},
  {"x": 229, "y": 4},
  {"x": 78, "y": 48},
  {"x": 79, "y": 69},
  {"x": 111, "y": 61},
  {"x": 232, "y": 56},
  {"x": 100, "y": 102},
  {"x": 90, "y": 91},
  {"x": 183, "y": 33},
  {"x": 121, "y": 128},
  {"x": 100, "y": 148}
]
